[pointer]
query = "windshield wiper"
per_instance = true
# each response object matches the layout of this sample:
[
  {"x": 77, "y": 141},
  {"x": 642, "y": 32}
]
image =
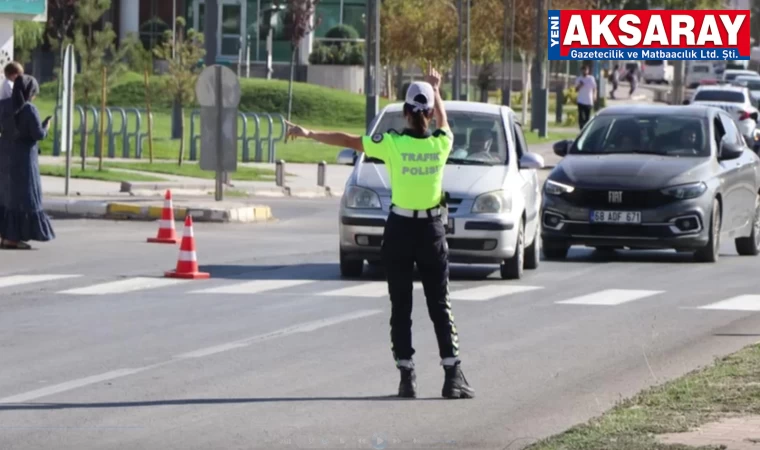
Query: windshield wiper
[{"x": 468, "y": 162}]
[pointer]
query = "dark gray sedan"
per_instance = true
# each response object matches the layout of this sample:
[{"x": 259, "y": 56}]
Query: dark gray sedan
[{"x": 654, "y": 177}]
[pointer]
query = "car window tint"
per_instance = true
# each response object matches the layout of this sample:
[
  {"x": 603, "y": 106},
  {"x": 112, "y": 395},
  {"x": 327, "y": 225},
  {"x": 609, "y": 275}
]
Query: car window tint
[
  {"x": 477, "y": 137},
  {"x": 666, "y": 135},
  {"x": 522, "y": 146},
  {"x": 719, "y": 96},
  {"x": 719, "y": 131},
  {"x": 733, "y": 133}
]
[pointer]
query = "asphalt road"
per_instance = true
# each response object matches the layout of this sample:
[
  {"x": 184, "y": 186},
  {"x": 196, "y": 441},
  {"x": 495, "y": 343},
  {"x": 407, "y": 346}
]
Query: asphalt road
[{"x": 275, "y": 351}]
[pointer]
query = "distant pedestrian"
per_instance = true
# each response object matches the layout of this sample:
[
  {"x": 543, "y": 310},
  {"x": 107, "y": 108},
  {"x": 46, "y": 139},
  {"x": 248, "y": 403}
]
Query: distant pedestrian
[
  {"x": 11, "y": 71},
  {"x": 23, "y": 218},
  {"x": 633, "y": 78},
  {"x": 615, "y": 80},
  {"x": 586, "y": 87}
]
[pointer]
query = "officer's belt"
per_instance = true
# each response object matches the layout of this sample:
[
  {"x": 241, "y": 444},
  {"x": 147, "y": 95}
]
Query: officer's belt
[{"x": 416, "y": 213}]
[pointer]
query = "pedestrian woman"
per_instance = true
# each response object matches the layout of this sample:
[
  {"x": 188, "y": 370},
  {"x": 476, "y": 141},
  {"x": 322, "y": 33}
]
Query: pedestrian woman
[
  {"x": 23, "y": 218},
  {"x": 414, "y": 231}
]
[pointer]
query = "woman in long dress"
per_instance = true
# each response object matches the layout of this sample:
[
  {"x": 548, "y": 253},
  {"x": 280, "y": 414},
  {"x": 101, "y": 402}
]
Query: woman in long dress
[{"x": 23, "y": 218}]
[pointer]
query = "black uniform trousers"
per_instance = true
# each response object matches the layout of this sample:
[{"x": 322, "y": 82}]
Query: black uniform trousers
[{"x": 407, "y": 241}]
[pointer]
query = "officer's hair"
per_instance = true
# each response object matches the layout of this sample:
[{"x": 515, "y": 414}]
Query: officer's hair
[
  {"x": 13, "y": 68},
  {"x": 420, "y": 120}
]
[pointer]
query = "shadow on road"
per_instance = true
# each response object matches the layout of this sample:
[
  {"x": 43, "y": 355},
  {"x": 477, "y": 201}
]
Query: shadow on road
[
  {"x": 327, "y": 272},
  {"x": 584, "y": 255},
  {"x": 202, "y": 401}
]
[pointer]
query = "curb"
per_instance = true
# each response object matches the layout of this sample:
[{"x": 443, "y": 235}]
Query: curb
[
  {"x": 145, "y": 189},
  {"x": 87, "y": 209}
]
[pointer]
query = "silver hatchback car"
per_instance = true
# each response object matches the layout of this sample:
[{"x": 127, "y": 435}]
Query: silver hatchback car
[{"x": 490, "y": 181}]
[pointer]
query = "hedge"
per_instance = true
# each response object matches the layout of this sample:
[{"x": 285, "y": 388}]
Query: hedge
[{"x": 311, "y": 104}]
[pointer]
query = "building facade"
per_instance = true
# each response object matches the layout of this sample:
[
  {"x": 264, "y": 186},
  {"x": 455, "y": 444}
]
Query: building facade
[{"x": 240, "y": 22}]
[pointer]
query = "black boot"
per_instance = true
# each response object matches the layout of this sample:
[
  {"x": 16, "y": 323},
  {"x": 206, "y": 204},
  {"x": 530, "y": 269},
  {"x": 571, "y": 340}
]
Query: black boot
[
  {"x": 407, "y": 387},
  {"x": 455, "y": 385}
]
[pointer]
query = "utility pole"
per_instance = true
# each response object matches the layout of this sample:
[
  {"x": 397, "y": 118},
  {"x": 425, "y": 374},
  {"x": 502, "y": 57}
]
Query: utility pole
[
  {"x": 505, "y": 92},
  {"x": 176, "y": 111},
  {"x": 539, "y": 110},
  {"x": 511, "y": 51},
  {"x": 469, "y": 59},
  {"x": 372, "y": 64},
  {"x": 456, "y": 88}
]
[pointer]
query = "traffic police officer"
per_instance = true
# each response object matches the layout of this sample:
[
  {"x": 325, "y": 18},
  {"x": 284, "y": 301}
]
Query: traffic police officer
[{"x": 415, "y": 229}]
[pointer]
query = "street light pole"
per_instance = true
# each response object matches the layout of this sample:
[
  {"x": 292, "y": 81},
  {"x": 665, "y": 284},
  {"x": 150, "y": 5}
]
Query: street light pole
[
  {"x": 174, "y": 29},
  {"x": 511, "y": 51},
  {"x": 539, "y": 104},
  {"x": 372, "y": 64},
  {"x": 469, "y": 60},
  {"x": 456, "y": 88},
  {"x": 505, "y": 94}
]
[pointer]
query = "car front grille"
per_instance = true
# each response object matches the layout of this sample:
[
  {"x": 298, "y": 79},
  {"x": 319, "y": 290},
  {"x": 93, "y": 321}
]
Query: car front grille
[
  {"x": 610, "y": 199},
  {"x": 454, "y": 204}
]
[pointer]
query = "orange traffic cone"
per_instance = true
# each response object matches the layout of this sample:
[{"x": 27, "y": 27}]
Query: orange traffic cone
[
  {"x": 166, "y": 232},
  {"x": 187, "y": 264}
]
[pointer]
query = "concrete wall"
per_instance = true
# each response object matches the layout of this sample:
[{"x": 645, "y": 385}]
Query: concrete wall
[{"x": 347, "y": 78}]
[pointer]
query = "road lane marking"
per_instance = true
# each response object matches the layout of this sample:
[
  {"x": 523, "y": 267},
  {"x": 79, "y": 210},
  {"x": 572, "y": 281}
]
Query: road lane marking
[
  {"x": 375, "y": 289},
  {"x": 15, "y": 280},
  {"x": 739, "y": 303},
  {"x": 123, "y": 286},
  {"x": 253, "y": 287},
  {"x": 305, "y": 327},
  {"x": 490, "y": 292},
  {"x": 609, "y": 297}
]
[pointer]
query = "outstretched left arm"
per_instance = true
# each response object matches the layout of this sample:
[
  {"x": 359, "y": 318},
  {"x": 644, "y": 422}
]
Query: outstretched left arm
[{"x": 335, "y": 138}]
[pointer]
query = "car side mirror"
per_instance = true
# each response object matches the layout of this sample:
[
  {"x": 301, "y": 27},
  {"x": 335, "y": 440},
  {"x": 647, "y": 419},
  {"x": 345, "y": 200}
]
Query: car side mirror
[
  {"x": 729, "y": 150},
  {"x": 686, "y": 102},
  {"x": 531, "y": 161},
  {"x": 561, "y": 147},
  {"x": 347, "y": 157}
]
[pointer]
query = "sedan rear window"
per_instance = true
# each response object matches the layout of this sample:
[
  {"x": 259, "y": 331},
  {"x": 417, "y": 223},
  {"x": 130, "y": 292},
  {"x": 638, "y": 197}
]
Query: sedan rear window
[
  {"x": 478, "y": 138},
  {"x": 719, "y": 96},
  {"x": 665, "y": 135}
]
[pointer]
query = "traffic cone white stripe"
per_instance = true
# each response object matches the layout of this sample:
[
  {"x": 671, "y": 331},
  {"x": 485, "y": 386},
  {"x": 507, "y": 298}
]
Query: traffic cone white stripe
[
  {"x": 189, "y": 232},
  {"x": 166, "y": 223},
  {"x": 188, "y": 256}
]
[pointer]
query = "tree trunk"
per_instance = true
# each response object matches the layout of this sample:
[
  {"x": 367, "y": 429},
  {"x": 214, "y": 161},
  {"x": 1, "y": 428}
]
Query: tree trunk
[
  {"x": 526, "y": 68},
  {"x": 292, "y": 76},
  {"x": 181, "y": 133}
]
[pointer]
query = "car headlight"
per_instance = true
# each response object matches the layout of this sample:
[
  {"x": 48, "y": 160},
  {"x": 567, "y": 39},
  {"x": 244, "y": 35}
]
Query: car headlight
[
  {"x": 554, "y": 188},
  {"x": 685, "y": 191},
  {"x": 492, "y": 203},
  {"x": 362, "y": 198}
]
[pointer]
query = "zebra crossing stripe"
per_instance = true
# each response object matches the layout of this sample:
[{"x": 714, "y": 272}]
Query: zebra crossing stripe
[
  {"x": 609, "y": 297},
  {"x": 124, "y": 286},
  {"x": 490, "y": 292},
  {"x": 253, "y": 287},
  {"x": 16, "y": 280},
  {"x": 738, "y": 303}
]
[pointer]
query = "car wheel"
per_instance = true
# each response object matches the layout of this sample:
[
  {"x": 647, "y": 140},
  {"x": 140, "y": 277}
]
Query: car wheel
[
  {"x": 709, "y": 253},
  {"x": 750, "y": 245},
  {"x": 555, "y": 250},
  {"x": 512, "y": 269},
  {"x": 533, "y": 252},
  {"x": 350, "y": 268}
]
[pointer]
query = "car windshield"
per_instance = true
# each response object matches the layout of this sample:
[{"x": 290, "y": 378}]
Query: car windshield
[
  {"x": 752, "y": 83},
  {"x": 719, "y": 95},
  {"x": 662, "y": 134},
  {"x": 700, "y": 69},
  {"x": 478, "y": 138}
]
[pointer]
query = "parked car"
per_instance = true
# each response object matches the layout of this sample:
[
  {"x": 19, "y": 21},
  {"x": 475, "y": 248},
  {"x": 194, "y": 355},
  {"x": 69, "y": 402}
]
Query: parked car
[
  {"x": 658, "y": 71},
  {"x": 654, "y": 177},
  {"x": 490, "y": 180},
  {"x": 736, "y": 100},
  {"x": 699, "y": 71},
  {"x": 752, "y": 83},
  {"x": 730, "y": 75}
]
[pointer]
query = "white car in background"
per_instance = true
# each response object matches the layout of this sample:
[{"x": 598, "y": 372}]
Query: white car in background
[
  {"x": 699, "y": 71},
  {"x": 752, "y": 83},
  {"x": 658, "y": 71},
  {"x": 735, "y": 100},
  {"x": 731, "y": 74}
]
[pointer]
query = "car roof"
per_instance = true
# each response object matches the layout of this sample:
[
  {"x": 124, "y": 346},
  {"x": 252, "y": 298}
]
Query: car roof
[
  {"x": 636, "y": 110},
  {"x": 454, "y": 106},
  {"x": 748, "y": 77},
  {"x": 744, "y": 71},
  {"x": 721, "y": 87}
]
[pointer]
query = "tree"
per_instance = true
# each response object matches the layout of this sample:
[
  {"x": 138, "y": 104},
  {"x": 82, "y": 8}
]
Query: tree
[
  {"x": 755, "y": 21},
  {"x": 27, "y": 36},
  {"x": 486, "y": 41},
  {"x": 61, "y": 15},
  {"x": 299, "y": 22},
  {"x": 183, "y": 69},
  {"x": 95, "y": 50}
]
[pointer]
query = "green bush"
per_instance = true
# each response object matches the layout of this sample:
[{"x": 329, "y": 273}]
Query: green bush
[
  {"x": 571, "y": 96},
  {"x": 342, "y": 32},
  {"x": 311, "y": 104},
  {"x": 338, "y": 55}
]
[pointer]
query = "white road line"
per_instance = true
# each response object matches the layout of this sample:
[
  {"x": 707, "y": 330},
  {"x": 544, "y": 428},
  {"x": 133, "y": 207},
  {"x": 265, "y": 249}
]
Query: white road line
[
  {"x": 302, "y": 328},
  {"x": 609, "y": 297},
  {"x": 69, "y": 385},
  {"x": 374, "y": 289},
  {"x": 122, "y": 286},
  {"x": 489, "y": 292},
  {"x": 15, "y": 280},
  {"x": 86, "y": 381},
  {"x": 739, "y": 303},
  {"x": 253, "y": 287}
]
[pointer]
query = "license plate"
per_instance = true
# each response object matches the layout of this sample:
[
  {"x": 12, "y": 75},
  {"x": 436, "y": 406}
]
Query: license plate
[
  {"x": 623, "y": 217},
  {"x": 450, "y": 227}
]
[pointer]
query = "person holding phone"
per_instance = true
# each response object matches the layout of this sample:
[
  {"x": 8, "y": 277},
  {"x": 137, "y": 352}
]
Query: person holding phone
[{"x": 23, "y": 218}]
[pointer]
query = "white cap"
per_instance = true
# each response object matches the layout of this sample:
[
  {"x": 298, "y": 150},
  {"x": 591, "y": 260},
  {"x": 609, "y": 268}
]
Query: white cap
[{"x": 423, "y": 89}]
